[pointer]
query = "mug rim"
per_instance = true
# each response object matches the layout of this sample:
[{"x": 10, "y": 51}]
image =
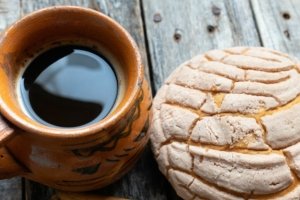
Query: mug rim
[{"x": 57, "y": 132}]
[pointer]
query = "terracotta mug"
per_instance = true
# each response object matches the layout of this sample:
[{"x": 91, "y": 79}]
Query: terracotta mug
[{"x": 74, "y": 159}]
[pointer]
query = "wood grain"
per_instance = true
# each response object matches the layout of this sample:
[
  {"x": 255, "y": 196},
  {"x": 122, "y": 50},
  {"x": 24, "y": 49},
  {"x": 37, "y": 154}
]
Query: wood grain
[
  {"x": 187, "y": 28},
  {"x": 28, "y": 6},
  {"x": 11, "y": 189},
  {"x": 279, "y": 24},
  {"x": 9, "y": 12}
]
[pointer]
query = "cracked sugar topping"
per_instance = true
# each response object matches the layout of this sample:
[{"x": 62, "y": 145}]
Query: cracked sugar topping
[{"x": 226, "y": 125}]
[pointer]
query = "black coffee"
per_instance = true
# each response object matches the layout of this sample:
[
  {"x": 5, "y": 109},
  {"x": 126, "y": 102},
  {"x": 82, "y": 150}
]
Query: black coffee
[{"x": 69, "y": 86}]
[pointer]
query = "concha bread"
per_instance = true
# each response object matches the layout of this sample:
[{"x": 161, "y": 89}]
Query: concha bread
[{"x": 226, "y": 125}]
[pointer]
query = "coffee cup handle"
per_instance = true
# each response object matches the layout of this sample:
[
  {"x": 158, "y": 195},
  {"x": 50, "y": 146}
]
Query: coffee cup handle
[{"x": 9, "y": 167}]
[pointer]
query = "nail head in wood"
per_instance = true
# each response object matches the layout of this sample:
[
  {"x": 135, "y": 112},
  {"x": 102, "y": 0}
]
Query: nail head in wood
[
  {"x": 157, "y": 18},
  {"x": 211, "y": 28},
  {"x": 287, "y": 34},
  {"x": 286, "y": 15},
  {"x": 177, "y": 35},
  {"x": 216, "y": 10}
]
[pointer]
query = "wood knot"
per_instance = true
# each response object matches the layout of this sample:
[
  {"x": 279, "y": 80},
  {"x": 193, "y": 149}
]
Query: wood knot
[
  {"x": 211, "y": 28},
  {"x": 286, "y": 15},
  {"x": 216, "y": 10},
  {"x": 177, "y": 35},
  {"x": 287, "y": 34},
  {"x": 157, "y": 18}
]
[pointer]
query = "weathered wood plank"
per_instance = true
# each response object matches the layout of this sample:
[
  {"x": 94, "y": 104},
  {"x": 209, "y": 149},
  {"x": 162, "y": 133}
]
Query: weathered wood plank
[
  {"x": 29, "y": 6},
  {"x": 178, "y": 30},
  {"x": 279, "y": 24},
  {"x": 35, "y": 190},
  {"x": 10, "y": 189},
  {"x": 144, "y": 181},
  {"x": 9, "y": 12}
]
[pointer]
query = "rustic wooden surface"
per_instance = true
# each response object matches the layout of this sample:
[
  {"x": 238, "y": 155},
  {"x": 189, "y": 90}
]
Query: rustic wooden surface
[
  {"x": 168, "y": 32},
  {"x": 279, "y": 24},
  {"x": 188, "y": 28},
  {"x": 11, "y": 189}
]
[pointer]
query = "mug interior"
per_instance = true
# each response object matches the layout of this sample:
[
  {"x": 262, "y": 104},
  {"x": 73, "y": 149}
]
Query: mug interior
[{"x": 57, "y": 26}]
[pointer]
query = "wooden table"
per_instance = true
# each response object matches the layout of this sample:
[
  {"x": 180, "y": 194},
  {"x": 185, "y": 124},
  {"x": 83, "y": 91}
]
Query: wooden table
[{"x": 169, "y": 32}]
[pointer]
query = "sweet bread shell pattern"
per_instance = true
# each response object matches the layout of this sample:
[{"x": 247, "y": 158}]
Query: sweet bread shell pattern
[{"x": 226, "y": 125}]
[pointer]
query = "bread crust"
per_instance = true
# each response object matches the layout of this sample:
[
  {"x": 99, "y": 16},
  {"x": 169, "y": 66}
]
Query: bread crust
[{"x": 226, "y": 125}]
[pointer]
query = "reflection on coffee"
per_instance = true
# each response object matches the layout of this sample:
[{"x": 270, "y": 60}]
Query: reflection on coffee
[{"x": 69, "y": 86}]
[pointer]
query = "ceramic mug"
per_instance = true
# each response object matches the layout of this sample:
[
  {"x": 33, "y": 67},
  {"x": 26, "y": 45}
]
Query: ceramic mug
[{"x": 74, "y": 159}]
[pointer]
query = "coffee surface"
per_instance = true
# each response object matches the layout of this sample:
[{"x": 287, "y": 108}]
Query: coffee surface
[{"x": 68, "y": 86}]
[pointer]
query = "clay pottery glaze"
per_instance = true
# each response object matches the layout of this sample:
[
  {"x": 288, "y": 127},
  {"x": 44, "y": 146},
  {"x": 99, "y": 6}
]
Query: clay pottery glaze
[{"x": 73, "y": 159}]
